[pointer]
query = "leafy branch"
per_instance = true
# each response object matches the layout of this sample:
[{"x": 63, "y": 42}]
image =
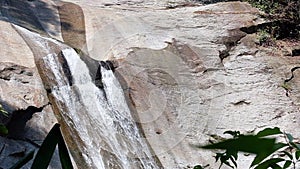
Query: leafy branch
[{"x": 262, "y": 145}]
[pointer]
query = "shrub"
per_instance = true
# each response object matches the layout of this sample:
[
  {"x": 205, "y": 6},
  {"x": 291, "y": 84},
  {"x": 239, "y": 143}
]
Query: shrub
[{"x": 284, "y": 16}]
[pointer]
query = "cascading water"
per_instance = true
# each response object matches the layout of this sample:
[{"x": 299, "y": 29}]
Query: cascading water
[{"x": 101, "y": 118}]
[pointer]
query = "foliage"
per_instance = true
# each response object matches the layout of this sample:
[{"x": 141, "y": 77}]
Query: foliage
[
  {"x": 279, "y": 9},
  {"x": 284, "y": 16},
  {"x": 268, "y": 6},
  {"x": 46, "y": 151},
  {"x": 262, "y": 145},
  {"x": 265, "y": 38}
]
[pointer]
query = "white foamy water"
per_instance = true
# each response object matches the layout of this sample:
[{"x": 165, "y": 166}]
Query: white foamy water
[{"x": 101, "y": 118}]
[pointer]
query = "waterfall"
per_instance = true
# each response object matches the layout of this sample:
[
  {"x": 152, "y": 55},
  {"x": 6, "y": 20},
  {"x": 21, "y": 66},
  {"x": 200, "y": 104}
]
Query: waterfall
[{"x": 101, "y": 117}]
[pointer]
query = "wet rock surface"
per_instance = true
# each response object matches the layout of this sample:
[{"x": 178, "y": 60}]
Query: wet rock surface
[{"x": 187, "y": 70}]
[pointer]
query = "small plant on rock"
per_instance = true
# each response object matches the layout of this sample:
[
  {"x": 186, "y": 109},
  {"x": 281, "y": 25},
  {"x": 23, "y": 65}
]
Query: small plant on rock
[{"x": 265, "y": 38}]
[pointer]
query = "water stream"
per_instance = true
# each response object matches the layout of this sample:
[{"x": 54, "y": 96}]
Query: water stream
[{"x": 101, "y": 117}]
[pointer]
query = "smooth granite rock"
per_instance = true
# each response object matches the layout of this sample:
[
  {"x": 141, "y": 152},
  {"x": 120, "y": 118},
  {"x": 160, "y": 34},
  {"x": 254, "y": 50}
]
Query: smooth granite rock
[{"x": 188, "y": 72}]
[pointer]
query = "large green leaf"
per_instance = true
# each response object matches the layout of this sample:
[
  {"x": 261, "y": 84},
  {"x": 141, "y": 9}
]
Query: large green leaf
[
  {"x": 23, "y": 161},
  {"x": 269, "y": 163},
  {"x": 297, "y": 154},
  {"x": 248, "y": 144},
  {"x": 287, "y": 164},
  {"x": 262, "y": 147},
  {"x": 269, "y": 132},
  {"x": 264, "y": 154}
]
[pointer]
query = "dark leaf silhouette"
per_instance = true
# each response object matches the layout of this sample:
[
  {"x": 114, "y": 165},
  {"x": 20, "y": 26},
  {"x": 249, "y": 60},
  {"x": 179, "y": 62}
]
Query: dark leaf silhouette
[
  {"x": 48, "y": 146},
  {"x": 23, "y": 161}
]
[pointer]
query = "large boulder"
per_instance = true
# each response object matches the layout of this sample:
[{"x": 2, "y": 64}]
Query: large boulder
[{"x": 189, "y": 73}]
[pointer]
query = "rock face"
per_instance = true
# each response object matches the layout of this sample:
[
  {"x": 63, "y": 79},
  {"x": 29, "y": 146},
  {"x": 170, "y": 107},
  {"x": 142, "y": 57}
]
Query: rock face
[
  {"x": 30, "y": 115},
  {"x": 189, "y": 73},
  {"x": 23, "y": 96}
]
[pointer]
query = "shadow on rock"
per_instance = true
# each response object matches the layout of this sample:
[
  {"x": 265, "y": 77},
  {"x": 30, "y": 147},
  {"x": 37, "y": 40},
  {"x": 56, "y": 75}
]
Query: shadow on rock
[{"x": 35, "y": 15}]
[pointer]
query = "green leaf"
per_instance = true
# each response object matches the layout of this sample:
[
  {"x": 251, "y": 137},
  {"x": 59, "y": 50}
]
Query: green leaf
[
  {"x": 225, "y": 161},
  {"x": 264, "y": 154},
  {"x": 234, "y": 154},
  {"x": 3, "y": 129},
  {"x": 23, "y": 161},
  {"x": 198, "y": 167},
  {"x": 275, "y": 166},
  {"x": 290, "y": 137},
  {"x": 248, "y": 144},
  {"x": 262, "y": 147},
  {"x": 225, "y": 157},
  {"x": 269, "y": 132},
  {"x": 297, "y": 154},
  {"x": 218, "y": 156},
  {"x": 280, "y": 145},
  {"x": 288, "y": 154},
  {"x": 297, "y": 146},
  {"x": 269, "y": 163},
  {"x": 287, "y": 164},
  {"x": 233, "y": 161}
]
